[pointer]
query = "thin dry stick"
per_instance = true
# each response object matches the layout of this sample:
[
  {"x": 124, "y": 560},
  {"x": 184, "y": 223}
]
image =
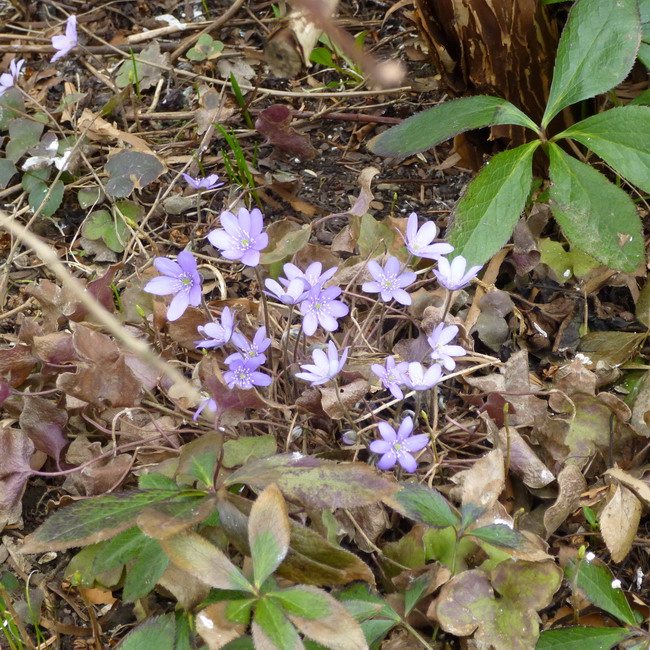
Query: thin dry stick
[{"x": 105, "y": 318}]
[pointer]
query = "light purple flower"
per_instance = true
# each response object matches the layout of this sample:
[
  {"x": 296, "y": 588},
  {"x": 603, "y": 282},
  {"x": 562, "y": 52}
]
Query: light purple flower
[
  {"x": 8, "y": 79},
  {"x": 419, "y": 378},
  {"x": 64, "y": 43},
  {"x": 398, "y": 447},
  {"x": 312, "y": 276},
  {"x": 208, "y": 402},
  {"x": 392, "y": 375},
  {"x": 441, "y": 351},
  {"x": 321, "y": 308},
  {"x": 418, "y": 240},
  {"x": 293, "y": 292},
  {"x": 453, "y": 276},
  {"x": 207, "y": 183},
  {"x": 218, "y": 332},
  {"x": 242, "y": 237},
  {"x": 179, "y": 278},
  {"x": 325, "y": 366},
  {"x": 252, "y": 351},
  {"x": 244, "y": 374},
  {"x": 389, "y": 282}
]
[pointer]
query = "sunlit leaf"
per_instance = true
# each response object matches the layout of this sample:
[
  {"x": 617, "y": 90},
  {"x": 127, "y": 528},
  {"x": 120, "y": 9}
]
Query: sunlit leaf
[
  {"x": 272, "y": 629},
  {"x": 424, "y": 504},
  {"x": 244, "y": 450},
  {"x": 498, "y": 535},
  {"x": 585, "y": 638}
]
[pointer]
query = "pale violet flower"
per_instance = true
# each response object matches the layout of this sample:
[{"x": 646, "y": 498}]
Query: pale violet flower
[
  {"x": 64, "y": 43},
  {"x": 392, "y": 375},
  {"x": 218, "y": 332},
  {"x": 244, "y": 374},
  {"x": 418, "y": 240},
  {"x": 292, "y": 293},
  {"x": 208, "y": 183},
  {"x": 325, "y": 366},
  {"x": 254, "y": 350},
  {"x": 321, "y": 308},
  {"x": 419, "y": 378},
  {"x": 441, "y": 351},
  {"x": 454, "y": 276},
  {"x": 8, "y": 79},
  {"x": 312, "y": 276},
  {"x": 388, "y": 282},
  {"x": 179, "y": 278},
  {"x": 398, "y": 446},
  {"x": 206, "y": 402},
  {"x": 242, "y": 237}
]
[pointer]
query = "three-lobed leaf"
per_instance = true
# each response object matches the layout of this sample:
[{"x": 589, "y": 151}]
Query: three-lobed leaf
[
  {"x": 595, "y": 215},
  {"x": 596, "y": 51},
  {"x": 431, "y": 127},
  {"x": 426, "y": 505},
  {"x": 486, "y": 215}
]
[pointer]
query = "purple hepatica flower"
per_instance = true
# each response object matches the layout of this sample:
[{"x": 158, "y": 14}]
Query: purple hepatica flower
[
  {"x": 397, "y": 447},
  {"x": 293, "y": 292},
  {"x": 312, "y": 276},
  {"x": 453, "y": 276},
  {"x": 207, "y": 183},
  {"x": 244, "y": 374},
  {"x": 418, "y": 378},
  {"x": 180, "y": 278},
  {"x": 65, "y": 42},
  {"x": 252, "y": 351},
  {"x": 242, "y": 238},
  {"x": 441, "y": 351},
  {"x": 8, "y": 79},
  {"x": 418, "y": 240},
  {"x": 389, "y": 282},
  {"x": 391, "y": 375},
  {"x": 325, "y": 366},
  {"x": 321, "y": 308},
  {"x": 206, "y": 402},
  {"x": 218, "y": 333}
]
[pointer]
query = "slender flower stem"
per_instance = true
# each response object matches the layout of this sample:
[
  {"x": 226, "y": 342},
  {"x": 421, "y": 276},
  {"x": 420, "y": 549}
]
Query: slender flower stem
[
  {"x": 381, "y": 324},
  {"x": 447, "y": 305},
  {"x": 287, "y": 336},
  {"x": 346, "y": 414},
  {"x": 265, "y": 309}
]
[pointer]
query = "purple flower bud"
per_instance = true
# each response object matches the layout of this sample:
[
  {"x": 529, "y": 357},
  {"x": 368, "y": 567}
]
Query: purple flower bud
[
  {"x": 453, "y": 276},
  {"x": 418, "y": 241},
  {"x": 218, "y": 333}
]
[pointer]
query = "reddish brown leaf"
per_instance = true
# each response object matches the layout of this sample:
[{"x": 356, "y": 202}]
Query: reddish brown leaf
[
  {"x": 16, "y": 364},
  {"x": 274, "y": 122},
  {"x": 44, "y": 423},
  {"x": 17, "y": 449}
]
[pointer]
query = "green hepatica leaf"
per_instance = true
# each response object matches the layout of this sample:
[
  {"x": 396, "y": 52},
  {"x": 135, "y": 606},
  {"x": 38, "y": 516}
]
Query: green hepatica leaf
[
  {"x": 467, "y": 603},
  {"x": 317, "y": 483},
  {"x": 12, "y": 105},
  {"x": 202, "y": 559},
  {"x": 499, "y": 535},
  {"x": 585, "y": 638},
  {"x": 272, "y": 629},
  {"x": 596, "y": 51},
  {"x": 23, "y": 135},
  {"x": 486, "y": 215},
  {"x": 268, "y": 533},
  {"x": 7, "y": 171},
  {"x": 621, "y": 137},
  {"x": 429, "y": 128},
  {"x": 129, "y": 170},
  {"x": 143, "y": 574},
  {"x": 595, "y": 215},
  {"x": 40, "y": 191},
  {"x": 285, "y": 239},
  {"x": 155, "y": 632},
  {"x": 243, "y": 450},
  {"x": 596, "y": 581},
  {"x": 97, "y": 519},
  {"x": 424, "y": 504}
]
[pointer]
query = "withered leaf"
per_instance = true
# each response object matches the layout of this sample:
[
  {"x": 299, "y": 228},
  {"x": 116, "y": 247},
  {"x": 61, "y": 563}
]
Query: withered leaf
[
  {"x": 17, "y": 449},
  {"x": 274, "y": 122},
  {"x": 44, "y": 423},
  {"x": 619, "y": 522}
]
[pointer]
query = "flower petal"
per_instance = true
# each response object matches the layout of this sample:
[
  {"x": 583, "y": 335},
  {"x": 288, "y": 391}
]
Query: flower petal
[
  {"x": 161, "y": 286},
  {"x": 407, "y": 462},
  {"x": 167, "y": 267},
  {"x": 230, "y": 223},
  {"x": 177, "y": 306},
  {"x": 416, "y": 443},
  {"x": 221, "y": 239},
  {"x": 380, "y": 446},
  {"x": 402, "y": 297},
  {"x": 387, "y": 432},
  {"x": 387, "y": 461}
]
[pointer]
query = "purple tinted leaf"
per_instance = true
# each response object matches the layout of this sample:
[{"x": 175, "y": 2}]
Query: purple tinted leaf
[
  {"x": 274, "y": 122},
  {"x": 17, "y": 449},
  {"x": 44, "y": 422}
]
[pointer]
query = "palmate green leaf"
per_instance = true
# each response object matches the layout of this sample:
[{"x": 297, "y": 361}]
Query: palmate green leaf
[
  {"x": 585, "y": 638},
  {"x": 40, "y": 191},
  {"x": 271, "y": 627},
  {"x": 595, "y": 215},
  {"x": 596, "y": 51},
  {"x": 431, "y": 127},
  {"x": 621, "y": 137},
  {"x": 424, "y": 504},
  {"x": 97, "y": 519},
  {"x": 596, "y": 581},
  {"x": 486, "y": 215},
  {"x": 268, "y": 533},
  {"x": 156, "y": 632}
]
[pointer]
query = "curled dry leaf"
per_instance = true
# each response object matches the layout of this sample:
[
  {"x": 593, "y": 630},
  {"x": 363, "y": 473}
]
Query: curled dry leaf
[
  {"x": 274, "y": 122},
  {"x": 483, "y": 483},
  {"x": 348, "y": 396},
  {"x": 17, "y": 449},
  {"x": 619, "y": 522},
  {"x": 572, "y": 485},
  {"x": 16, "y": 364},
  {"x": 44, "y": 423}
]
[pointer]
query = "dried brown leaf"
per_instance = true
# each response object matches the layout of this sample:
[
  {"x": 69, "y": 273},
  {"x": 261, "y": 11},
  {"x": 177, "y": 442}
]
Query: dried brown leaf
[
  {"x": 274, "y": 122},
  {"x": 348, "y": 395},
  {"x": 572, "y": 485},
  {"x": 44, "y": 423},
  {"x": 484, "y": 482},
  {"x": 17, "y": 449},
  {"x": 619, "y": 522},
  {"x": 215, "y": 628}
]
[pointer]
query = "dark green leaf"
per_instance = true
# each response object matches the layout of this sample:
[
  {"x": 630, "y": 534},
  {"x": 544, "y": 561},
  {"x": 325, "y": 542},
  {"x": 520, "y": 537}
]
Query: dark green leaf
[
  {"x": 426, "y": 505},
  {"x": 271, "y": 628},
  {"x": 12, "y": 105},
  {"x": 198, "y": 458},
  {"x": 596, "y": 51},
  {"x": 363, "y": 603},
  {"x": 416, "y": 590},
  {"x": 156, "y": 482},
  {"x": 23, "y": 135},
  {"x": 621, "y": 137},
  {"x": 486, "y": 215},
  {"x": 595, "y": 215},
  {"x": 499, "y": 535},
  {"x": 142, "y": 576},
  {"x": 99, "y": 518},
  {"x": 585, "y": 638},
  {"x": 129, "y": 170},
  {"x": 316, "y": 483},
  {"x": 119, "y": 550},
  {"x": 156, "y": 632},
  {"x": 429, "y": 128},
  {"x": 243, "y": 450},
  {"x": 7, "y": 171}
]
